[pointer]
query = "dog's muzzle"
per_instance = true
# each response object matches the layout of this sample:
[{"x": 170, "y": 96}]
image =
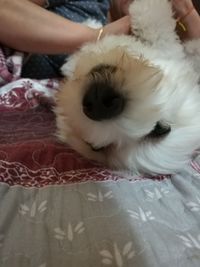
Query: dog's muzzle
[{"x": 102, "y": 102}]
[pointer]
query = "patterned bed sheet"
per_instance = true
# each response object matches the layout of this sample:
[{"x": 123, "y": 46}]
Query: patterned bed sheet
[{"x": 59, "y": 209}]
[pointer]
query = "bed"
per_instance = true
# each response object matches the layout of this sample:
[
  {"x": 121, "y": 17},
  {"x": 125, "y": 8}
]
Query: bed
[{"x": 59, "y": 209}]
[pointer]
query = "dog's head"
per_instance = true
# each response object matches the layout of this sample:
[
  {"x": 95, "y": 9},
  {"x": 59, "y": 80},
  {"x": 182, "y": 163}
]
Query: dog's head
[{"x": 110, "y": 104}]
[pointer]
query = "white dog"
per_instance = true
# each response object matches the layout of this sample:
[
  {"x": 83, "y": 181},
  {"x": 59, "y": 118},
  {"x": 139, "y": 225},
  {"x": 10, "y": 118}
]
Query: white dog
[{"x": 134, "y": 102}]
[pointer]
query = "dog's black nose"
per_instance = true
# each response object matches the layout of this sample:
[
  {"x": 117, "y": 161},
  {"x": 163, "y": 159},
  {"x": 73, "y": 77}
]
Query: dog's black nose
[{"x": 102, "y": 102}]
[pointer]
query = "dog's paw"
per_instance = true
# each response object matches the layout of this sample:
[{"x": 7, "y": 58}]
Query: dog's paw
[{"x": 152, "y": 20}]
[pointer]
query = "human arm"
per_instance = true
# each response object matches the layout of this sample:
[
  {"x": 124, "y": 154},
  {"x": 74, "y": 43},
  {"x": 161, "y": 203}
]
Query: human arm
[
  {"x": 39, "y": 2},
  {"x": 28, "y": 27}
]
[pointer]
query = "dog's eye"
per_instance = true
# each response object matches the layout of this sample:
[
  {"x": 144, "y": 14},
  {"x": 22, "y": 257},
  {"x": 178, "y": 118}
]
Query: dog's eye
[{"x": 160, "y": 130}]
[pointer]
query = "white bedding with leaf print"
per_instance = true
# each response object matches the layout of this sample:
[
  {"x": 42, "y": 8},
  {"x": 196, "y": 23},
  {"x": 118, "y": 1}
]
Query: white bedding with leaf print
[{"x": 146, "y": 223}]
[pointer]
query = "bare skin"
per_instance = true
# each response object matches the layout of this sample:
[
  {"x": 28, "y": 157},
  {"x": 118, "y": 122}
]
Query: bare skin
[
  {"x": 27, "y": 26},
  {"x": 185, "y": 10},
  {"x": 191, "y": 21},
  {"x": 119, "y": 8}
]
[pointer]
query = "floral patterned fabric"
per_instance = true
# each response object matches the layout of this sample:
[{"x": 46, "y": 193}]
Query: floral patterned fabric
[{"x": 59, "y": 209}]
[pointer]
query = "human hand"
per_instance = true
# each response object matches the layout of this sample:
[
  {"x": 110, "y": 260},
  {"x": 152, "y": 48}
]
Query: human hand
[
  {"x": 119, "y": 8},
  {"x": 118, "y": 27},
  {"x": 188, "y": 18},
  {"x": 182, "y": 7}
]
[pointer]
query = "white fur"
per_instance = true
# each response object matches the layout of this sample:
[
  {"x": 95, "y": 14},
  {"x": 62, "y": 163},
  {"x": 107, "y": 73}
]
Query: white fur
[
  {"x": 92, "y": 23},
  {"x": 178, "y": 95},
  {"x": 192, "y": 49}
]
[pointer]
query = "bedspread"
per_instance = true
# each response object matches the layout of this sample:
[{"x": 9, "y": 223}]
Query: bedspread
[{"x": 59, "y": 209}]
